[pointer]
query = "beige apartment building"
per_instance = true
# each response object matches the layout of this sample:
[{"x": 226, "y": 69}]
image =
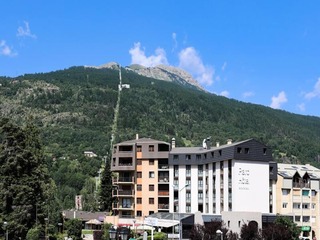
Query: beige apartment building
[
  {"x": 141, "y": 184},
  {"x": 297, "y": 194}
]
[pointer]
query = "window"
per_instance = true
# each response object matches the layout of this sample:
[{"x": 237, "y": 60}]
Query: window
[
  {"x": 297, "y": 218},
  {"x": 212, "y": 154},
  {"x": 151, "y": 148},
  {"x": 188, "y": 182},
  {"x": 151, "y": 212},
  {"x": 139, "y": 200},
  {"x": 188, "y": 208},
  {"x": 188, "y": 196},
  {"x": 246, "y": 150},
  {"x": 139, "y": 187},
  {"x": 151, "y": 200},
  {"x": 285, "y": 192},
  {"x": 198, "y": 156},
  {"x": 296, "y": 205},
  {"x": 175, "y": 157},
  {"x": 305, "y": 205},
  {"x": 239, "y": 150},
  {"x": 151, "y": 174},
  {"x": 139, "y": 162},
  {"x": 200, "y": 183},
  {"x": 284, "y": 205},
  {"x": 139, "y": 174},
  {"x": 305, "y": 192},
  {"x": 220, "y": 152},
  {"x": 151, "y": 187},
  {"x": 205, "y": 156},
  {"x": 264, "y": 151},
  {"x": 200, "y": 195},
  {"x": 139, "y": 148},
  {"x": 188, "y": 157},
  {"x": 200, "y": 170},
  {"x": 313, "y": 193},
  {"x": 188, "y": 170},
  {"x": 139, "y": 213},
  {"x": 151, "y": 162},
  {"x": 313, "y": 205}
]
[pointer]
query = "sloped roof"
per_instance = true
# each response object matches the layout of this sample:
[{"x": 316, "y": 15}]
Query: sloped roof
[
  {"x": 85, "y": 216},
  {"x": 189, "y": 150},
  {"x": 141, "y": 140},
  {"x": 289, "y": 170}
]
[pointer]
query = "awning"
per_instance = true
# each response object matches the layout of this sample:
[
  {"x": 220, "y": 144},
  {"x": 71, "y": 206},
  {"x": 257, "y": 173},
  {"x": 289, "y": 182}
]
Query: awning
[{"x": 94, "y": 222}]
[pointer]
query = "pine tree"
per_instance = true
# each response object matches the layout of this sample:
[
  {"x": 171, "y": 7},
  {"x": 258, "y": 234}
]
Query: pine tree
[
  {"x": 106, "y": 198},
  {"x": 23, "y": 178}
]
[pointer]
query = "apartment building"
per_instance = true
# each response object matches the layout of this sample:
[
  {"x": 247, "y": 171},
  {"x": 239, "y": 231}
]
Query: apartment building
[
  {"x": 141, "y": 184},
  {"x": 233, "y": 177},
  {"x": 297, "y": 194}
]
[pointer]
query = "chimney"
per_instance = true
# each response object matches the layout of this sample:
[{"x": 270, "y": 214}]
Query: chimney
[
  {"x": 137, "y": 136},
  {"x": 173, "y": 143},
  {"x": 229, "y": 141},
  {"x": 217, "y": 144}
]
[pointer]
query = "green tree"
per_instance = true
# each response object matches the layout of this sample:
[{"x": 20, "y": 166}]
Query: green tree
[
  {"x": 250, "y": 231},
  {"x": 74, "y": 229},
  {"x": 282, "y": 228},
  {"x": 23, "y": 178},
  {"x": 106, "y": 198}
]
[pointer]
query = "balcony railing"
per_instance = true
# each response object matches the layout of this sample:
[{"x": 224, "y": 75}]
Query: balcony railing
[
  {"x": 163, "y": 206},
  {"x": 301, "y": 185},
  {"x": 163, "y": 167},
  {"x": 124, "y": 206},
  {"x": 163, "y": 193},
  {"x": 123, "y": 180},
  {"x": 119, "y": 192},
  {"x": 164, "y": 179}
]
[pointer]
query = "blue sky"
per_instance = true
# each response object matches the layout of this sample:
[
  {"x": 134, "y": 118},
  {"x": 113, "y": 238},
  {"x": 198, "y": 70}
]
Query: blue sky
[{"x": 263, "y": 52}]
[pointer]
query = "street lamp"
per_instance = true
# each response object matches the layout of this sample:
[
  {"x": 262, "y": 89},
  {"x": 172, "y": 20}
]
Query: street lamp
[
  {"x": 5, "y": 224},
  {"x": 112, "y": 233},
  {"x": 219, "y": 232},
  {"x": 134, "y": 227},
  {"x": 124, "y": 233},
  {"x": 180, "y": 225}
]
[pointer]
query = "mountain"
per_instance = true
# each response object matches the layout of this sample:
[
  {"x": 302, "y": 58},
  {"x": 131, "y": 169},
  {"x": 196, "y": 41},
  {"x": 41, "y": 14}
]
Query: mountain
[
  {"x": 160, "y": 72},
  {"x": 82, "y": 109},
  {"x": 75, "y": 110}
]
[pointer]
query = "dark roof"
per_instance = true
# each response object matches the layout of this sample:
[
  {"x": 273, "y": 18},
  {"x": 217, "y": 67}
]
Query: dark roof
[
  {"x": 141, "y": 140},
  {"x": 83, "y": 215},
  {"x": 190, "y": 150}
]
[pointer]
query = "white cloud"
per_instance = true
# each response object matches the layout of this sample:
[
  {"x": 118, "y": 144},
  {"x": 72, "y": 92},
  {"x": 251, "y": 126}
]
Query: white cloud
[
  {"x": 138, "y": 56},
  {"x": 24, "y": 31},
  {"x": 224, "y": 94},
  {"x": 224, "y": 66},
  {"x": 315, "y": 92},
  {"x": 277, "y": 101},
  {"x": 301, "y": 107},
  {"x": 175, "y": 42},
  {"x": 6, "y": 50},
  {"x": 190, "y": 61},
  {"x": 247, "y": 94}
]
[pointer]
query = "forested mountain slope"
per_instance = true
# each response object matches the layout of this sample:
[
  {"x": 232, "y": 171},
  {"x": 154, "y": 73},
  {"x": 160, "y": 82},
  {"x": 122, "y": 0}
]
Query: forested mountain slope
[{"x": 75, "y": 109}]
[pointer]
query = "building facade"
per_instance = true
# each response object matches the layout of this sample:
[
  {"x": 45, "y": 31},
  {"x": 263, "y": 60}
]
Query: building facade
[
  {"x": 233, "y": 177},
  {"x": 297, "y": 194},
  {"x": 141, "y": 182}
]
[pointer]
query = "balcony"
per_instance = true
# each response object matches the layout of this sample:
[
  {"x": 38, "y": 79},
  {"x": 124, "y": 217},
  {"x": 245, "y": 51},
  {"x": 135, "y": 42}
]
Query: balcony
[
  {"x": 163, "y": 193},
  {"x": 127, "y": 207},
  {"x": 124, "y": 180},
  {"x": 301, "y": 185},
  {"x": 163, "y": 179},
  {"x": 123, "y": 193},
  {"x": 164, "y": 206},
  {"x": 163, "y": 167}
]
